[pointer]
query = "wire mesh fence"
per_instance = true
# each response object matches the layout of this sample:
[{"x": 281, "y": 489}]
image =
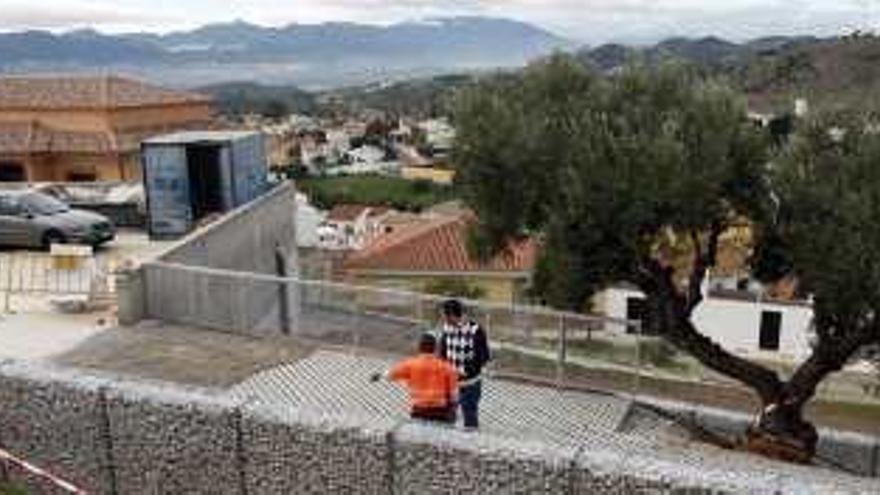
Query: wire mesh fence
[
  {"x": 28, "y": 278},
  {"x": 536, "y": 343}
]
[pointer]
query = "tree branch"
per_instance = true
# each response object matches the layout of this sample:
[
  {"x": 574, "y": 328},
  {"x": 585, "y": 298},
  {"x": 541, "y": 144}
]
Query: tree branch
[
  {"x": 828, "y": 357},
  {"x": 675, "y": 325},
  {"x": 703, "y": 260}
]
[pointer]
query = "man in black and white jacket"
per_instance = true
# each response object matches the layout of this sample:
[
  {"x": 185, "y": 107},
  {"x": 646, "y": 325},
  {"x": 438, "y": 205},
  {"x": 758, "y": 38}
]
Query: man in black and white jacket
[{"x": 464, "y": 344}]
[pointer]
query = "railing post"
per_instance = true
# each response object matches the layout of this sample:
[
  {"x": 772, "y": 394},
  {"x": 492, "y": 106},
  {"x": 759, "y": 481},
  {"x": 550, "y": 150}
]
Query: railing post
[
  {"x": 283, "y": 290},
  {"x": 637, "y": 385},
  {"x": 562, "y": 344}
]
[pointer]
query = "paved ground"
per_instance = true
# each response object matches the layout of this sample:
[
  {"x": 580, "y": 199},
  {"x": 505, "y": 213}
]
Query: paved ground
[{"x": 39, "y": 335}]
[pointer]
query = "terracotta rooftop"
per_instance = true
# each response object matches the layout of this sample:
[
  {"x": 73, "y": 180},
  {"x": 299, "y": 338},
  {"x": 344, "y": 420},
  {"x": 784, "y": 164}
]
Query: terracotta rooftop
[
  {"x": 438, "y": 245},
  {"x": 346, "y": 213},
  {"x": 43, "y": 92},
  {"x": 30, "y": 137}
]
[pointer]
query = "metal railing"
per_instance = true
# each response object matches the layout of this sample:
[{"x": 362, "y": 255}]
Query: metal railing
[
  {"x": 40, "y": 274},
  {"x": 531, "y": 342}
]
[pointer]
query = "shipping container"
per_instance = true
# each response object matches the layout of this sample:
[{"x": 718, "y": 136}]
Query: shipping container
[{"x": 189, "y": 176}]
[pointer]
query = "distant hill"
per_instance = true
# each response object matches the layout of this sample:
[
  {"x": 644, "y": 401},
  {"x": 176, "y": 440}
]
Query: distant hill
[
  {"x": 330, "y": 54},
  {"x": 773, "y": 71},
  {"x": 246, "y": 97}
]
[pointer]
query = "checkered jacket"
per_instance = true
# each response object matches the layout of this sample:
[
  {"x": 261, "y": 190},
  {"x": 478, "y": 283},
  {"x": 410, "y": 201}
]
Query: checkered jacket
[{"x": 466, "y": 348}]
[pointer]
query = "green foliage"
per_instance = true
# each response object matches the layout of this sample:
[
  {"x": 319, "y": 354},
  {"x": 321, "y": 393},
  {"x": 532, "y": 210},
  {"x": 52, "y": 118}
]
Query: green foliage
[
  {"x": 375, "y": 190},
  {"x": 827, "y": 232},
  {"x": 454, "y": 287},
  {"x": 418, "y": 98},
  {"x": 12, "y": 489},
  {"x": 602, "y": 167}
]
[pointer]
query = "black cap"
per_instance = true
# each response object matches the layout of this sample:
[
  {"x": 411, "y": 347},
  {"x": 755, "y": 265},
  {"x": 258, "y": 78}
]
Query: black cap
[
  {"x": 427, "y": 342},
  {"x": 452, "y": 307}
]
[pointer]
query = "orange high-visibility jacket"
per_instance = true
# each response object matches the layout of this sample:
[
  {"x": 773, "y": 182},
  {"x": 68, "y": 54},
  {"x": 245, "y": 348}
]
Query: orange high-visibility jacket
[{"x": 431, "y": 381}]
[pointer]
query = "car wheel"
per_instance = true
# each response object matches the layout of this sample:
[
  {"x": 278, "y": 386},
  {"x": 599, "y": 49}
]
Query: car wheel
[{"x": 53, "y": 237}]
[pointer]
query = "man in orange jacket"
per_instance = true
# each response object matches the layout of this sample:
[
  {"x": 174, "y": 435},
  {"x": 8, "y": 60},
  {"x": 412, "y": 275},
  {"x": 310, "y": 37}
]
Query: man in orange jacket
[{"x": 431, "y": 381}]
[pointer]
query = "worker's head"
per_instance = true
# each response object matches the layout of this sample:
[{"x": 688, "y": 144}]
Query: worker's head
[
  {"x": 427, "y": 343},
  {"x": 452, "y": 311}
]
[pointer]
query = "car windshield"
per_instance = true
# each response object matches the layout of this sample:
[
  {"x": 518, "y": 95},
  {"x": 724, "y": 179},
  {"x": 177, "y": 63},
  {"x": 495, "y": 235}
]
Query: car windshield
[{"x": 42, "y": 204}]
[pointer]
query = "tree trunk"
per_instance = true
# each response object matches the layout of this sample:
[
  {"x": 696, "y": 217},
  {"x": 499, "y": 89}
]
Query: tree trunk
[{"x": 780, "y": 431}]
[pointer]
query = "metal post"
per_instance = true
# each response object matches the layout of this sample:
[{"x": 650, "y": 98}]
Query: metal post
[
  {"x": 283, "y": 290},
  {"x": 9, "y": 267},
  {"x": 560, "y": 363},
  {"x": 638, "y": 378}
]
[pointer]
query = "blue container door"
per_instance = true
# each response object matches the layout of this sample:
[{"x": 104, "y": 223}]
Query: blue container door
[{"x": 167, "y": 187}]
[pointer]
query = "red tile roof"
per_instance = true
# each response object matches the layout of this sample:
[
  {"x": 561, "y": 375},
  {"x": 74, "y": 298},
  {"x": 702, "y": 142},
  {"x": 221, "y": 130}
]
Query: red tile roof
[
  {"x": 30, "y": 137},
  {"x": 36, "y": 92},
  {"x": 346, "y": 213},
  {"x": 438, "y": 245}
]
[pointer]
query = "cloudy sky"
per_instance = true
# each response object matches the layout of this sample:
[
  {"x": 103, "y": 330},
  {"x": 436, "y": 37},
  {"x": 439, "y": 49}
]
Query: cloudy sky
[{"x": 591, "y": 21}]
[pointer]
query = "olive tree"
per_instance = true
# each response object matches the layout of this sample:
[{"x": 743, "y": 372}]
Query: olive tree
[{"x": 604, "y": 169}]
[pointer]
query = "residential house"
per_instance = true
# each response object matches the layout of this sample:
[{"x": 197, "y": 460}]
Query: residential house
[
  {"x": 414, "y": 166},
  {"x": 745, "y": 322},
  {"x": 423, "y": 254},
  {"x": 351, "y": 227},
  {"x": 365, "y": 159},
  {"x": 439, "y": 134},
  {"x": 86, "y": 128}
]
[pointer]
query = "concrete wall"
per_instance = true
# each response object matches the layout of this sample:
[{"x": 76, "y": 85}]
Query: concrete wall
[
  {"x": 242, "y": 242},
  {"x": 116, "y": 436},
  {"x": 245, "y": 239}
]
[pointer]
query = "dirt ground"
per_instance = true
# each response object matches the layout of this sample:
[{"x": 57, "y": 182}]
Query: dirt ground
[{"x": 182, "y": 355}]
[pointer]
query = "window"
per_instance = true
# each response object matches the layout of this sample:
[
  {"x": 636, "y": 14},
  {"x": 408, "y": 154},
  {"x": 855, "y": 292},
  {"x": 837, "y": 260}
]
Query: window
[
  {"x": 81, "y": 177},
  {"x": 771, "y": 323},
  {"x": 636, "y": 310},
  {"x": 12, "y": 172},
  {"x": 9, "y": 206}
]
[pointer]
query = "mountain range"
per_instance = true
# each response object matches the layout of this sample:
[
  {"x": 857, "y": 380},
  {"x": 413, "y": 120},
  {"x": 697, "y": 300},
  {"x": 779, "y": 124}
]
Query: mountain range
[{"x": 329, "y": 54}]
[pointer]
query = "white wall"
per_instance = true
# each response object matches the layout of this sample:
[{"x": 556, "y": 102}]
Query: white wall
[
  {"x": 735, "y": 324},
  {"x": 308, "y": 219}
]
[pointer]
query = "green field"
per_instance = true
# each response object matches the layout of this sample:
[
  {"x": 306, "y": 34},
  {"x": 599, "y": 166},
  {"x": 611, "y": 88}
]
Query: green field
[{"x": 374, "y": 190}]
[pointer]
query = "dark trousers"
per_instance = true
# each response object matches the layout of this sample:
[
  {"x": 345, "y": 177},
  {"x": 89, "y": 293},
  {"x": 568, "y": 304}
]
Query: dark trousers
[
  {"x": 469, "y": 399},
  {"x": 443, "y": 414}
]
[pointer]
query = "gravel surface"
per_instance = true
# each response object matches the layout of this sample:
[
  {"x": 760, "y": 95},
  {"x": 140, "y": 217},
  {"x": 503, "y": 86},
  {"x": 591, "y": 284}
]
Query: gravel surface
[{"x": 181, "y": 355}]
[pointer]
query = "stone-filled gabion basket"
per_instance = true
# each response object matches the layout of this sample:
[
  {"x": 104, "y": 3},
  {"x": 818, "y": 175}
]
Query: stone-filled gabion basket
[
  {"x": 428, "y": 461},
  {"x": 309, "y": 455},
  {"x": 43, "y": 416},
  {"x": 168, "y": 444}
]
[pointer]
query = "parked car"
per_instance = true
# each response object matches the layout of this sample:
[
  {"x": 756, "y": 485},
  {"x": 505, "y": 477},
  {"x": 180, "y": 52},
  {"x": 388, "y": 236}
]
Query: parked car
[{"x": 32, "y": 219}]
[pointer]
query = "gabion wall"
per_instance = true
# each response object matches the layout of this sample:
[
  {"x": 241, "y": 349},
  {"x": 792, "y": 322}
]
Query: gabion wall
[
  {"x": 173, "y": 448},
  {"x": 112, "y": 436},
  {"x": 56, "y": 427},
  {"x": 304, "y": 456}
]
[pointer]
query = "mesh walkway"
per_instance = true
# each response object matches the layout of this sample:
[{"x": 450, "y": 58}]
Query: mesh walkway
[
  {"x": 609, "y": 434},
  {"x": 336, "y": 384}
]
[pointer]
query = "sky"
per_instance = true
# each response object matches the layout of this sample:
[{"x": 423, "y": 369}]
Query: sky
[{"x": 588, "y": 21}]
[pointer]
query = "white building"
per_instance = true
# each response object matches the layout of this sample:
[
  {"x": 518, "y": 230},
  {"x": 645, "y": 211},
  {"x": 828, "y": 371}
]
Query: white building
[
  {"x": 308, "y": 221},
  {"x": 439, "y": 133},
  {"x": 739, "y": 321},
  {"x": 351, "y": 227},
  {"x": 364, "y": 160}
]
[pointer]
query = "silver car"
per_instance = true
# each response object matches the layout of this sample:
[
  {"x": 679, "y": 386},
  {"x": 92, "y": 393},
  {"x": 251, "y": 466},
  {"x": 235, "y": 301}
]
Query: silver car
[{"x": 32, "y": 219}]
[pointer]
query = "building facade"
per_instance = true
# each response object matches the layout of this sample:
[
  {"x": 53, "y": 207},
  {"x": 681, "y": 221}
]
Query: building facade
[{"x": 59, "y": 129}]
